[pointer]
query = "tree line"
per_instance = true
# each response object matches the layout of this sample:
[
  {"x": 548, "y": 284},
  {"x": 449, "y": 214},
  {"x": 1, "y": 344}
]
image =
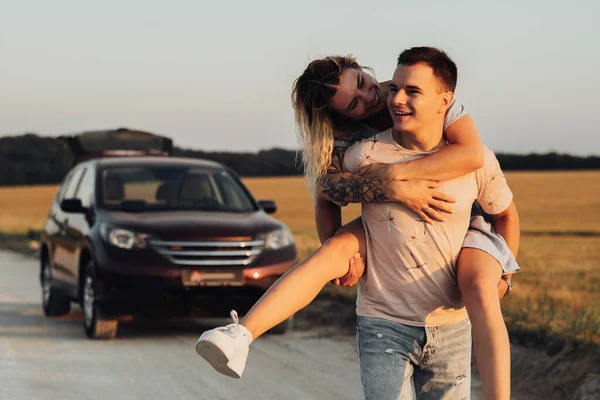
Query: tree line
[{"x": 30, "y": 159}]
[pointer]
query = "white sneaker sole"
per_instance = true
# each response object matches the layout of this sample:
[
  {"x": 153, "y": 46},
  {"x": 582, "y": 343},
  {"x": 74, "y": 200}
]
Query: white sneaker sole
[{"x": 215, "y": 357}]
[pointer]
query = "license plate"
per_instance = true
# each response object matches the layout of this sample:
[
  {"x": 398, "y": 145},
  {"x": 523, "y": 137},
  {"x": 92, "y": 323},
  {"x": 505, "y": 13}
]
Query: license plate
[{"x": 212, "y": 278}]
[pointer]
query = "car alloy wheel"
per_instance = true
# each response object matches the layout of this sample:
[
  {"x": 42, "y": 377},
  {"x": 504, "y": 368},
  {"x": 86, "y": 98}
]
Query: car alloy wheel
[
  {"x": 94, "y": 325},
  {"x": 54, "y": 303},
  {"x": 46, "y": 283},
  {"x": 89, "y": 300}
]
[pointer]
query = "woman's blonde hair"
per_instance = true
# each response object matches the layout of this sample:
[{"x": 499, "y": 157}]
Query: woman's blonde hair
[{"x": 311, "y": 97}]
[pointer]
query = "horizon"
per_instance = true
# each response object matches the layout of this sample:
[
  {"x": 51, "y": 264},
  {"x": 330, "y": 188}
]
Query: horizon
[{"x": 175, "y": 145}]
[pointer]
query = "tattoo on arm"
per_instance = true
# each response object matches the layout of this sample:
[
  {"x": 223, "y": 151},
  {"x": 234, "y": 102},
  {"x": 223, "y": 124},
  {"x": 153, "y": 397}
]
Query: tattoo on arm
[{"x": 341, "y": 186}]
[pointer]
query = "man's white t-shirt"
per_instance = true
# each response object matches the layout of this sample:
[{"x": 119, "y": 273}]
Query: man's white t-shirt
[{"x": 411, "y": 274}]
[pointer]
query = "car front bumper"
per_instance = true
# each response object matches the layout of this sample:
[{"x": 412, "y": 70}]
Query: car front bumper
[{"x": 125, "y": 275}]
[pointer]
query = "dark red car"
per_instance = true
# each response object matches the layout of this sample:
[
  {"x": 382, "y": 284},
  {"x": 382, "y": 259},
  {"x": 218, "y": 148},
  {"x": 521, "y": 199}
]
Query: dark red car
[{"x": 133, "y": 229}]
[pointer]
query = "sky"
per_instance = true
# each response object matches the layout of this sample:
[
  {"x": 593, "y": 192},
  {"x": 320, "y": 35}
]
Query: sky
[{"x": 218, "y": 75}]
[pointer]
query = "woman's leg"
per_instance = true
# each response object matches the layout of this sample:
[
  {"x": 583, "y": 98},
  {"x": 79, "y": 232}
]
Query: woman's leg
[
  {"x": 226, "y": 348},
  {"x": 478, "y": 274},
  {"x": 300, "y": 285}
]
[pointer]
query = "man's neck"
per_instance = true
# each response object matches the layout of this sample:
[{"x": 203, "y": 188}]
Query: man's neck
[{"x": 423, "y": 140}]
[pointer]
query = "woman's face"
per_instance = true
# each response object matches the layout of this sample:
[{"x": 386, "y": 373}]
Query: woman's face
[{"x": 358, "y": 95}]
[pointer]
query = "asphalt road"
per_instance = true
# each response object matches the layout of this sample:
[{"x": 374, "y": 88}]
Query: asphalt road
[{"x": 43, "y": 358}]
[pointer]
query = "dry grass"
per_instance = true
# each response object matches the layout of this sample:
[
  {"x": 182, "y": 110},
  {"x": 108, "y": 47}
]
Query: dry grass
[
  {"x": 25, "y": 208},
  {"x": 557, "y": 201},
  {"x": 547, "y": 202},
  {"x": 556, "y": 292}
]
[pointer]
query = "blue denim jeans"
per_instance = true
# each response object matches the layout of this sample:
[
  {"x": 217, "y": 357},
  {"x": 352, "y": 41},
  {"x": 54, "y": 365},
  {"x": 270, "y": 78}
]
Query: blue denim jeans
[{"x": 399, "y": 361}]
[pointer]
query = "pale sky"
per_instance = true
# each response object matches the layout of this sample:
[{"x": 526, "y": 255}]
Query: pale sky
[{"x": 218, "y": 75}]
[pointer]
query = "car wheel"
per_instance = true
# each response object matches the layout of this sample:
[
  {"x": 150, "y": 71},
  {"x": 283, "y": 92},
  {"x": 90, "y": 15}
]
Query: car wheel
[
  {"x": 54, "y": 303},
  {"x": 95, "y": 327},
  {"x": 282, "y": 328}
]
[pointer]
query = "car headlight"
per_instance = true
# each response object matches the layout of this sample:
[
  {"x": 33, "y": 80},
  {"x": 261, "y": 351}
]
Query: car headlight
[
  {"x": 278, "y": 239},
  {"x": 123, "y": 238}
]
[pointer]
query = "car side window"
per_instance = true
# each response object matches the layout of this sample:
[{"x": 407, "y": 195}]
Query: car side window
[
  {"x": 86, "y": 188},
  {"x": 61, "y": 192},
  {"x": 70, "y": 193}
]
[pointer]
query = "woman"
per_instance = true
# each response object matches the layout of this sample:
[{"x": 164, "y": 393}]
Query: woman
[{"x": 337, "y": 102}]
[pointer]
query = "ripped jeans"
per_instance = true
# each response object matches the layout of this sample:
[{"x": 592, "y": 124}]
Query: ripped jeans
[{"x": 399, "y": 361}]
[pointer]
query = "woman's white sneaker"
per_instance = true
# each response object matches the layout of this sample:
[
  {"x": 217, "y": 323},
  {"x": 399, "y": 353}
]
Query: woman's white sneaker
[{"x": 226, "y": 347}]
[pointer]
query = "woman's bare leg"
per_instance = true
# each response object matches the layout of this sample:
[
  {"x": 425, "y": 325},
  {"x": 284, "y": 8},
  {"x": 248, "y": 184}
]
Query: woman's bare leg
[
  {"x": 478, "y": 275},
  {"x": 300, "y": 285}
]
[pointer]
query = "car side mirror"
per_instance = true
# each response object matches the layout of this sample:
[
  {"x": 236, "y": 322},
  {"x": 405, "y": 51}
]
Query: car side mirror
[
  {"x": 268, "y": 206},
  {"x": 72, "y": 206}
]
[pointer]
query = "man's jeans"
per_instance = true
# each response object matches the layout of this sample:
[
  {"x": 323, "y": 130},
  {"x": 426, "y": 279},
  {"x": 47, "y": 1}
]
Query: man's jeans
[{"x": 398, "y": 361}]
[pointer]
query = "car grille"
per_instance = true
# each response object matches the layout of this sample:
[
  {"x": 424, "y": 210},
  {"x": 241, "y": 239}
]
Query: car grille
[{"x": 213, "y": 253}]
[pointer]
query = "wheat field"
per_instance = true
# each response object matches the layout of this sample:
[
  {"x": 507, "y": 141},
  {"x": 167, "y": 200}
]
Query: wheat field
[
  {"x": 547, "y": 202},
  {"x": 556, "y": 292}
]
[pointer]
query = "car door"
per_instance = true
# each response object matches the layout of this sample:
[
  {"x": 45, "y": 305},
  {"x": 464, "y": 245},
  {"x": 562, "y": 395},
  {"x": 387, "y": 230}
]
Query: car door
[
  {"x": 55, "y": 230},
  {"x": 79, "y": 224},
  {"x": 64, "y": 248}
]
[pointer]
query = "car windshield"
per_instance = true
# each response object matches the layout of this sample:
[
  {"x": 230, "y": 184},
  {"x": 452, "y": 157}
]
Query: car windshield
[{"x": 160, "y": 188}]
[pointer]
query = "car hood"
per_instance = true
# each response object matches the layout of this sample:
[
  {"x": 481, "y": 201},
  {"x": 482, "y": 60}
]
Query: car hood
[{"x": 193, "y": 224}]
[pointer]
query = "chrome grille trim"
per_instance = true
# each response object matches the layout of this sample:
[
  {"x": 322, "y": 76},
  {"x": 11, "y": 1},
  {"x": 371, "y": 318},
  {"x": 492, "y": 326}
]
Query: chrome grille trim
[
  {"x": 212, "y": 262},
  {"x": 241, "y": 244},
  {"x": 246, "y": 253},
  {"x": 209, "y": 253}
]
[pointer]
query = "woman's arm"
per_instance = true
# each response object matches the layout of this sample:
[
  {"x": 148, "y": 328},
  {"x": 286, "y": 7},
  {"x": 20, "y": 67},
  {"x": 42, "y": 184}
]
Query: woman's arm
[
  {"x": 463, "y": 154},
  {"x": 418, "y": 195}
]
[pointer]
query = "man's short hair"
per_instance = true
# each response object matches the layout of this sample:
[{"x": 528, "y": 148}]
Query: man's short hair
[{"x": 444, "y": 69}]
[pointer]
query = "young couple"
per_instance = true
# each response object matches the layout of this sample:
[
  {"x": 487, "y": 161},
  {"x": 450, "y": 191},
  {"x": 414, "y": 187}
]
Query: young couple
[{"x": 435, "y": 268}]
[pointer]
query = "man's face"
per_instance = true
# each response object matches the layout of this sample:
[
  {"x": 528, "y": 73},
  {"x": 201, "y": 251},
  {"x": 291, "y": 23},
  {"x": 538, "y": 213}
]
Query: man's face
[
  {"x": 416, "y": 99},
  {"x": 358, "y": 96}
]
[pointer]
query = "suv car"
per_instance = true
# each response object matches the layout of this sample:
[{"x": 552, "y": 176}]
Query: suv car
[{"x": 128, "y": 234}]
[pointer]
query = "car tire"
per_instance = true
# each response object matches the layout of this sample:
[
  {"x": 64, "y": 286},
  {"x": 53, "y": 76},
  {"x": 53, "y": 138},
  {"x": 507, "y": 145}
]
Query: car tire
[
  {"x": 54, "y": 303},
  {"x": 282, "y": 328},
  {"x": 94, "y": 326}
]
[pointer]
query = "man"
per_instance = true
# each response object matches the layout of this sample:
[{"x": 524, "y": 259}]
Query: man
[
  {"x": 427, "y": 300},
  {"x": 413, "y": 332}
]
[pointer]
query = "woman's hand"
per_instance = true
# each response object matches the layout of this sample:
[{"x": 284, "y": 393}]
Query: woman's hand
[
  {"x": 356, "y": 269},
  {"x": 420, "y": 196},
  {"x": 384, "y": 172}
]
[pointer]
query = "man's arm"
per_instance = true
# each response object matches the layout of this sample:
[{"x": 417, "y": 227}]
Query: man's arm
[
  {"x": 507, "y": 225},
  {"x": 463, "y": 154},
  {"x": 328, "y": 218}
]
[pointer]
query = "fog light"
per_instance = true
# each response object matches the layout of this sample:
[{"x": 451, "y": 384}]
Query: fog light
[{"x": 255, "y": 275}]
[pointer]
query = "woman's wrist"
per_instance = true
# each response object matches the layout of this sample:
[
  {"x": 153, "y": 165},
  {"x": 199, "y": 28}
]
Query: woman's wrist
[
  {"x": 398, "y": 171},
  {"x": 395, "y": 190}
]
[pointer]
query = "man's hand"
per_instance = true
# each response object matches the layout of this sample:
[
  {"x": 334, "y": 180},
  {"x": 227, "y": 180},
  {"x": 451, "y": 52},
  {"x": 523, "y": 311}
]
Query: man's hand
[
  {"x": 422, "y": 197},
  {"x": 503, "y": 287},
  {"x": 355, "y": 270}
]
